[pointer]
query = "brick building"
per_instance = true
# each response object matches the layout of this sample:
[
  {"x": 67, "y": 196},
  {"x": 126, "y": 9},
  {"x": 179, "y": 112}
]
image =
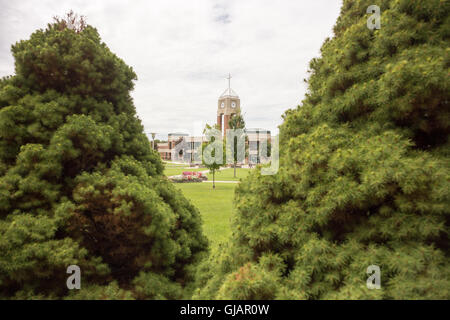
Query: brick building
[{"x": 180, "y": 147}]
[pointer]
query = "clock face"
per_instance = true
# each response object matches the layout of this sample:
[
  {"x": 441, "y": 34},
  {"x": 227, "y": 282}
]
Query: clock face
[
  {"x": 222, "y": 105},
  {"x": 233, "y": 104}
]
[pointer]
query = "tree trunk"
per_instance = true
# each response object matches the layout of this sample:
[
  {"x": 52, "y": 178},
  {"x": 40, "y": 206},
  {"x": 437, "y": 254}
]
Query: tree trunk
[
  {"x": 235, "y": 169},
  {"x": 214, "y": 179}
]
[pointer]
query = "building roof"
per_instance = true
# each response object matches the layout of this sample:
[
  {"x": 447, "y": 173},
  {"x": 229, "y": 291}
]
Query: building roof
[
  {"x": 178, "y": 134},
  {"x": 229, "y": 93}
]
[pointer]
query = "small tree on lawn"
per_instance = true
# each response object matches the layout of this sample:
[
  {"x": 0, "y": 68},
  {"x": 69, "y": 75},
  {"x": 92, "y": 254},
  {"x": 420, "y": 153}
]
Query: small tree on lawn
[
  {"x": 213, "y": 155},
  {"x": 236, "y": 123}
]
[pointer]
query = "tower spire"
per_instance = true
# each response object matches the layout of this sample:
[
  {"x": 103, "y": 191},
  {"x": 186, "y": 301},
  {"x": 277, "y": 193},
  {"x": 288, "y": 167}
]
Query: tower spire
[{"x": 229, "y": 92}]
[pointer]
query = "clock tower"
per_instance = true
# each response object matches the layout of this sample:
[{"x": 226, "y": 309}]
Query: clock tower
[{"x": 229, "y": 105}]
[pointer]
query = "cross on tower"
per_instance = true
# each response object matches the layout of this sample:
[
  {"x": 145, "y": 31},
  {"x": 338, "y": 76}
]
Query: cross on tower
[{"x": 228, "y": 106}]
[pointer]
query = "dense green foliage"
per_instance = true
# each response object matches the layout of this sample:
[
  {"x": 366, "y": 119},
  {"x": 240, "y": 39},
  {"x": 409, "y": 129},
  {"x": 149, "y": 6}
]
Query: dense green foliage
[
  {"x": 79, "y": 183},
  {"x": 364, "y": 171}
]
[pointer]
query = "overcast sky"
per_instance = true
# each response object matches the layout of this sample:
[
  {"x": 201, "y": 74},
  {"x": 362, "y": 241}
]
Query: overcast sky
[{"x": 183, "y": 50}]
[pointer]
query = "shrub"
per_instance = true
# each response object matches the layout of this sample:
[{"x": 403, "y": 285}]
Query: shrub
[
  {"x": 79, "y": 183},
  {"x": 363, "y": 174}
]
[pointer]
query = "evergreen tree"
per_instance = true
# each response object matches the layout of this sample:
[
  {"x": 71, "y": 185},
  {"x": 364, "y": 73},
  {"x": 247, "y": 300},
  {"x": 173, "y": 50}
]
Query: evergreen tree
[
  {"x": 364, "y": 171},
  {"x": 210, "y": 159},
  {"x": 79, "y": 183}
]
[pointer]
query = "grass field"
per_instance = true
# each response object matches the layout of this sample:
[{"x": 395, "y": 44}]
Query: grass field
[
  {"x": 169, "y": 163},
  {"x": 221, "y": 175},
  {"x": 173, "y": 171},
  {"x": 215, "y": 207}
]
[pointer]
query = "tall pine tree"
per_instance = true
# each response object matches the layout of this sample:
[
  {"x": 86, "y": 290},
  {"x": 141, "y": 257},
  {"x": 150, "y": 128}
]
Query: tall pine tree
[
  {"x": 364, "y": 171},
  {"x": 79, "y": 183}
]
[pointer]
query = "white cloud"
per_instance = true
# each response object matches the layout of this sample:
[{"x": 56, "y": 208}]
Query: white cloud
[{"x": 183, "y": 50}]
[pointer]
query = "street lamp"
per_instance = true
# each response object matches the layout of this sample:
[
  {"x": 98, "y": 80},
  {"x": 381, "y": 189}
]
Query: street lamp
[{"x": 153, "y": 138}]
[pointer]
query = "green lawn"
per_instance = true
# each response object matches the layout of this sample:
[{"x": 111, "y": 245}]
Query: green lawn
[
  {"x": 176, "y": 170},
  {"x": 228, "y": 174},
  {"x": 221, "y": 175},
  {"x": 173, "y": 164},
  {"x": 215, "y": 207}
]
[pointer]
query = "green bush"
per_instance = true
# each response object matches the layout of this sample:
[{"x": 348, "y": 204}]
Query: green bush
[
  {"x": 363, "y": 177},
  {"x": 112, "y": 291},
  {"x": 79, "y": 183}
]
